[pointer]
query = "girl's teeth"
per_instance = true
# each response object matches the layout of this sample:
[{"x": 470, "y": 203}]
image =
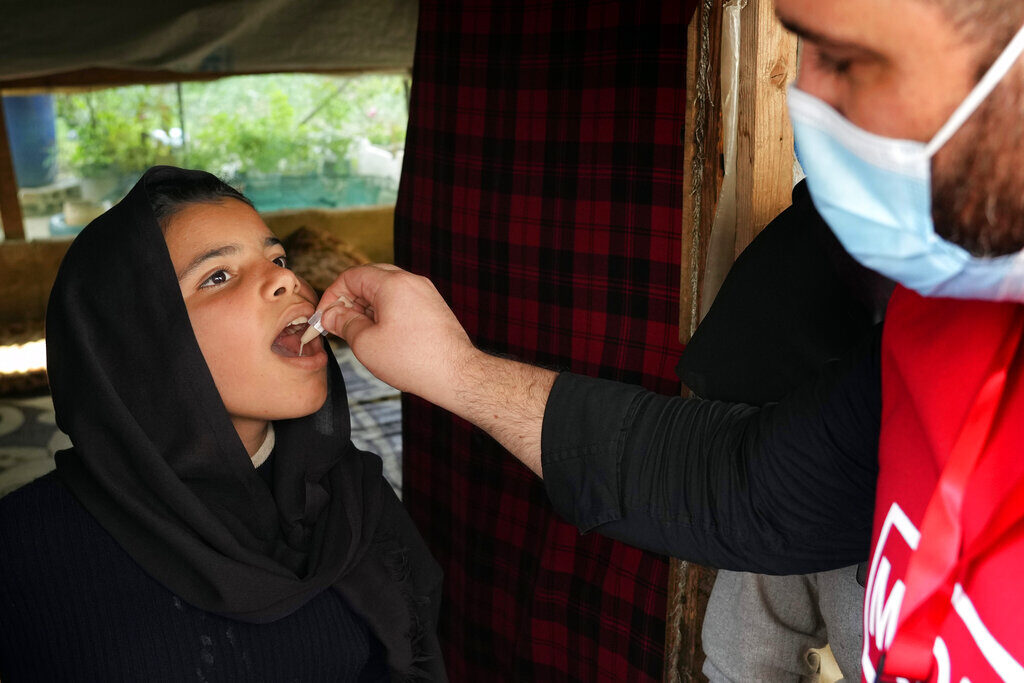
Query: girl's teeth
[{"x": 298, "y": 321}]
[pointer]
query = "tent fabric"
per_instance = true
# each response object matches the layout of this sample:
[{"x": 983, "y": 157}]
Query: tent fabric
[
  {"x": 542, "y": 193},
  {"x": 38, "y": 39}
]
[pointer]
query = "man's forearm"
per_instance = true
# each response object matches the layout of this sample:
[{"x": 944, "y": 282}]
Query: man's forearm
[
  {"x": 503, "y": 397},
  {"x": 400, "y": 327}
]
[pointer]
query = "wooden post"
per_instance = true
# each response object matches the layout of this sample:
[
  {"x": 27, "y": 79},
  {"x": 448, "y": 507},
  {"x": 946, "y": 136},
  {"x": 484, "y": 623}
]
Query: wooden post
[
  {"x": 702, "y": 155},
  {"x": 690, "y": 584},
  {"x": 10, "y": 208},
  {"x": 764, "y": 181},
  {"x": 764, "y": 143}
]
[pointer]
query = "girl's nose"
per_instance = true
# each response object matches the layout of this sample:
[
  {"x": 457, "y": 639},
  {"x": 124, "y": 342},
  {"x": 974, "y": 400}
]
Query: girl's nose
[{"x": 280, "y": 281}]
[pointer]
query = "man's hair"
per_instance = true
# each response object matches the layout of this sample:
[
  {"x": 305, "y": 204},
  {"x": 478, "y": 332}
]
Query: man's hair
[
  {"x": 978, "y": 193},
  {"x": 989, "y": 22},
  {"x": 171, "y": 195}
]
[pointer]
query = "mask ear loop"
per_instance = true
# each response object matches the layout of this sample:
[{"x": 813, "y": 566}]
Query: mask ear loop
[{"x": 983, "y": 89}]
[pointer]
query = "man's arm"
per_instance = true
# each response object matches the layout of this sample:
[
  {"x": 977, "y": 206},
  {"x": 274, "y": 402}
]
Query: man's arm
[
  {"x": 788, "y": 488},
  {"x": 724, "y": 484},
  {"x": 400, "y": 328}
]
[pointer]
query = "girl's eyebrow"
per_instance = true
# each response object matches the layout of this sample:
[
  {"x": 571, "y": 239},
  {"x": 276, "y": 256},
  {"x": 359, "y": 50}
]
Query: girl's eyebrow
[
  {"x": 206, "y": 256},
  {"x": 225, "y": 250}
]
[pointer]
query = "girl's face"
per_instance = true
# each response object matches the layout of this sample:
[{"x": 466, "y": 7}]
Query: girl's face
[{"x": 241, "y": 299}]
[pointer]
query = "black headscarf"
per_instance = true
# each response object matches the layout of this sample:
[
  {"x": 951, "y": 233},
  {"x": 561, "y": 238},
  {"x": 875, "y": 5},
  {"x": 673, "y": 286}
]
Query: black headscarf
[{"x": 158, "y": 462}]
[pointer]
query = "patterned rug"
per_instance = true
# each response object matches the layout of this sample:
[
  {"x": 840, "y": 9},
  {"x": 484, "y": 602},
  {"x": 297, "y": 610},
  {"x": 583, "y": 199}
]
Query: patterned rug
[{"x": 29, "y": 436}]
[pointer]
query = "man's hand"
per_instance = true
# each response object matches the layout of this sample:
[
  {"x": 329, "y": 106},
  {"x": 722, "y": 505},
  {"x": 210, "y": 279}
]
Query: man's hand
[{"x": 401, "y": 329}]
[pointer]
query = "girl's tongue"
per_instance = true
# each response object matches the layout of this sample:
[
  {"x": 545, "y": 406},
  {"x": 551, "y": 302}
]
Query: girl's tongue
[{"x": 288, "y": 343}]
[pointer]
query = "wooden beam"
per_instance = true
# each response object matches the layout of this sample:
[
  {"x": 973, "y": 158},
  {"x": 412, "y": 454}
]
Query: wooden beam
[
  {"x": 764, "y": 177},
  {"x": 702, "y": 156},
  {"x": 689, "y": 595},
  {"x": 91, "y": 79},
  {"x": 689, "y": 583},
  {"x": 10, "y": 207},
  {"x": 764, "y": 142}
]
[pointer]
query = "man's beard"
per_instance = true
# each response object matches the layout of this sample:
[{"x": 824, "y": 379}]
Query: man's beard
[{"x": 978, "y": 177}]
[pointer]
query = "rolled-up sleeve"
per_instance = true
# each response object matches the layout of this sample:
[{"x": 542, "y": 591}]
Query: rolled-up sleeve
[
  {"x": 786, "y": 488},
  {"x": 586, "y": 424}
]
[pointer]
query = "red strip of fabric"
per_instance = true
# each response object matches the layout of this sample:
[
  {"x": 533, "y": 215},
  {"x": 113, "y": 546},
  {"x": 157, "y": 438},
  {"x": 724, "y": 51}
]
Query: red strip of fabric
[{"x": 935, "y": 564}]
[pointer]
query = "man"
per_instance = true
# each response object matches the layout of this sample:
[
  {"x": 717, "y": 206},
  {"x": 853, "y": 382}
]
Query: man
[
  {"x": 939, "y": 495},
  {"x": 793, "y": 302}
]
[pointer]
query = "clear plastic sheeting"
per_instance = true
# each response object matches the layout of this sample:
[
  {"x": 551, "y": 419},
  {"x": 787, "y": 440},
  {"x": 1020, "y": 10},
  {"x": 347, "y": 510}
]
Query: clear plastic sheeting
[{"x": 722, "y": 242}]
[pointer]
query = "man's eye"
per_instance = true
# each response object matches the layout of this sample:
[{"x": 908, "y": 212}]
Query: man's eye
[
  {"x": 281, "y": 261},
  {"x": 832, "y": 65},
  {"x": 215, "y": 279}
]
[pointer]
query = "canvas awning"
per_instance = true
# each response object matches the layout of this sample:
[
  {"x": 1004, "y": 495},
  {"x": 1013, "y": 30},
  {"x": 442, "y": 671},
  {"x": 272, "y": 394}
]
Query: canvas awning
[{"x": 218, "y": 36}]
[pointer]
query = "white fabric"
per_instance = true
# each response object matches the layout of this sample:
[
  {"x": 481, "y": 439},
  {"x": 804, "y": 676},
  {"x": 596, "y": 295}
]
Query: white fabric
[{"x": 261, "y": 455}]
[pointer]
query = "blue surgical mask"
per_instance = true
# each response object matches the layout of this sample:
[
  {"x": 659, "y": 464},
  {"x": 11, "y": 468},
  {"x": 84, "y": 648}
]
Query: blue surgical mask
[{"x": 876, "y": 195}]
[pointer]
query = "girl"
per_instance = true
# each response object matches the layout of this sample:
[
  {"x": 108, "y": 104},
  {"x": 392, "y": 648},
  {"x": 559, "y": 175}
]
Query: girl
[{"x": 212, "y": 521}]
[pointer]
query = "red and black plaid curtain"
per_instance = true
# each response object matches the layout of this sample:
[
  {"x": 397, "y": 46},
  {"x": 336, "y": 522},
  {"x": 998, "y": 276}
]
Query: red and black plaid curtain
[{"x": 542, "y": 193}]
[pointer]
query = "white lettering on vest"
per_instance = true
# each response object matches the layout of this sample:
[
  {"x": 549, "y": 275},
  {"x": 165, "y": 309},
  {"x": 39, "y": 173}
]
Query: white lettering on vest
[
  {"x": 879, "y": 609},
  {"x": 995, "y": 654},
  {"x": 882, "y": 606}
]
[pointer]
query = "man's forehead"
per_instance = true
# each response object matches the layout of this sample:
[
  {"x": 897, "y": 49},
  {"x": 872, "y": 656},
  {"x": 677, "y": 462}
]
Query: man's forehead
[
  {"x": 840, "y": 20},
  {"x": 885, "y": 27}
]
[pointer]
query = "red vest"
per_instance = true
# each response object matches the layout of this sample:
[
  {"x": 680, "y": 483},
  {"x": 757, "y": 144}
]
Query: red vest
[{"x": 937, "y": 355}]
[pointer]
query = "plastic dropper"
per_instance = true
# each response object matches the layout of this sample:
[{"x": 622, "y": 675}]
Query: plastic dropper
[
  {"x": 312, "y": 331},
  {"x": 315, "y": 326}
]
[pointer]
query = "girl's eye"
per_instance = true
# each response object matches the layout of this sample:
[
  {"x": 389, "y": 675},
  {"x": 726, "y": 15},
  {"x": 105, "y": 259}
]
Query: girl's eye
[
  {"x": 217, "y": 278},
  {"x": 282, "y": 261}
]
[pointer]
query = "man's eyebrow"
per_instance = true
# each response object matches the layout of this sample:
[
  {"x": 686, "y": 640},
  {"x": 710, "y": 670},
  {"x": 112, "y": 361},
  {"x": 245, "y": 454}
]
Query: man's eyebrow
[
  {"x": 206, "y": 256},
  {"x": 271, "y": 241},
  {"x": 817, "y": 38}
]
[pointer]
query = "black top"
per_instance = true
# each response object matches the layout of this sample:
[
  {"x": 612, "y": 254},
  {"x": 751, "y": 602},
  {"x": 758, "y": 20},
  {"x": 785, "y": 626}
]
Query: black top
[
  {"x": 793, "y": 301},
  {"x": 76, "y": 607},
  {"x": 778, "y": 488},
  {"x": 784, "y": 489}
]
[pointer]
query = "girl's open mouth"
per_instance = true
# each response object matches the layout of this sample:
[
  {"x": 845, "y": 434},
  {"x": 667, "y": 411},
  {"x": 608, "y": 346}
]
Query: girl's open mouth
[{"x": 288, "y": 342}]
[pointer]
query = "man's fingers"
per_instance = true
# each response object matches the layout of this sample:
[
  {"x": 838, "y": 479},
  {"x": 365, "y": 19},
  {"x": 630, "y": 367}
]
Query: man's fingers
[
  {"x": 353, "y": 327},
  {"x": 340, "y": 320},
  {"x": 359, "y": 284}
]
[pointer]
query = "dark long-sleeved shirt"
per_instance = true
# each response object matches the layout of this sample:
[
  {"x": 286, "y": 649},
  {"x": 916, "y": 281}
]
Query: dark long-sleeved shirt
[
  {"x": 782, "y": 489},
  {"x": 74, "y": 606}
]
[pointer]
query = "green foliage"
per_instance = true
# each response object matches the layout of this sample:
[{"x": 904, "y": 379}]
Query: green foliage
[
  {"x": 107, "y": 131},
  {"x": 297, "y": 124},
  {"x": 257, "y": 132}
]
